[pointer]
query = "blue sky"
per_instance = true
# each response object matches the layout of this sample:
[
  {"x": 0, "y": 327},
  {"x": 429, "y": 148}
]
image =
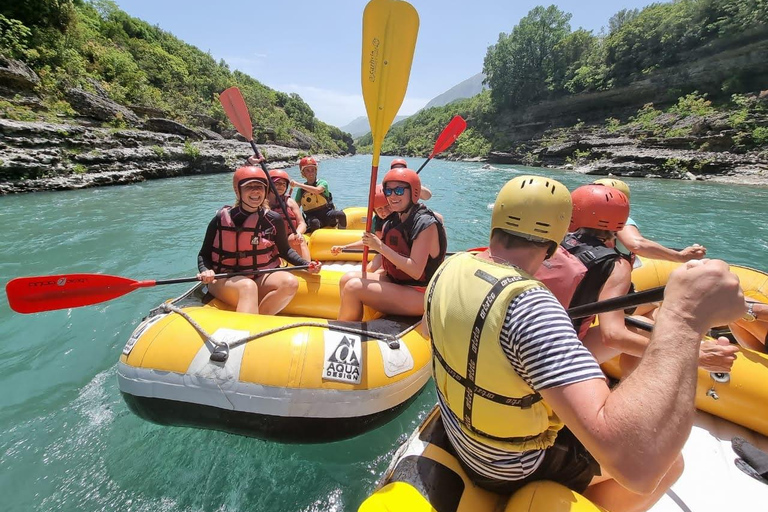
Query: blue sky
[{"x": 312, "y": 47}]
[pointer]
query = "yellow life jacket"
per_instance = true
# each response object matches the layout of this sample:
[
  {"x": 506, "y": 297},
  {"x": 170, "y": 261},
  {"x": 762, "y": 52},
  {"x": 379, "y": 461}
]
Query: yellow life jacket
[
  {"x": 465, "y": 304},
  {"x": 310, "y": 201}
]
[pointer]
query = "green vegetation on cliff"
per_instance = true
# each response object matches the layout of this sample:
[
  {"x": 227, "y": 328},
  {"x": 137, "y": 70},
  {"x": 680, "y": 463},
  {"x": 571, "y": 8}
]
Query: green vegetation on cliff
[
  {"x": 542, "y": 59},
  {"x": 76, "y": 43}
]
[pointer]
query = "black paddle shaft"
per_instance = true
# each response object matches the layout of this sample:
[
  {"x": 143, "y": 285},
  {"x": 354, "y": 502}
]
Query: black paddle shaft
[
  {"x": 272, "y": 186},
  {"x": 623, "y": 302}
]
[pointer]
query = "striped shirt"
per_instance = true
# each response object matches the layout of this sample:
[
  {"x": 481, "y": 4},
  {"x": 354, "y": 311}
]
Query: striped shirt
[{"x": 541, "y": 345}]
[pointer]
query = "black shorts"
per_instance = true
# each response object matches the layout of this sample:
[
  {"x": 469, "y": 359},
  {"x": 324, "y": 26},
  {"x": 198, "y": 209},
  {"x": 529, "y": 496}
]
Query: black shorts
[
  {"x": 325, "y": 217},
  {"x": 566, "y": 462}
]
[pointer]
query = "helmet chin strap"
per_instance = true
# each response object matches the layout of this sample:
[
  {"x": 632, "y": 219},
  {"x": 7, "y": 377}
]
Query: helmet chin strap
[{"x": 242, "y": 205}]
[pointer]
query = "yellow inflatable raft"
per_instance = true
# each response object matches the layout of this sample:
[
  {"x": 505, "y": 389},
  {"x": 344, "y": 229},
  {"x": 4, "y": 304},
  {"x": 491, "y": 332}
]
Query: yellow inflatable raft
[
  {"x": 425, "y": 476},
  {"x": 740, "y": 396},
  {"x": 297, "y": 377}
]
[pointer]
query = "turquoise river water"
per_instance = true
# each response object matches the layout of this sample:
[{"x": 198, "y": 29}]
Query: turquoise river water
[{"x": 69, "y": 443}]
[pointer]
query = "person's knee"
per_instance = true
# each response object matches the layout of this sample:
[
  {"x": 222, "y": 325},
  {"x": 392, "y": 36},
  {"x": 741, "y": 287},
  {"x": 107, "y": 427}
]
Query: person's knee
[
  {"x": 346, "y": 277},
  {"x": 289, "y": 284},
  {"x": 247, "y": 287},
  {"x": 341, "y": 217},
  {"x": 353, "y": 286}
]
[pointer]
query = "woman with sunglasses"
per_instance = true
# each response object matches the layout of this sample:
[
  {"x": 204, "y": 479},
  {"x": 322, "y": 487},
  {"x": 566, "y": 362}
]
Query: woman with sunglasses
[
  {"x": 412, "y": 247},
  {"x": 249, "y": 236}
]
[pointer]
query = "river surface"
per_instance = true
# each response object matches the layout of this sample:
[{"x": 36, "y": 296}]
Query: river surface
[{"x": 69, "y": 443}]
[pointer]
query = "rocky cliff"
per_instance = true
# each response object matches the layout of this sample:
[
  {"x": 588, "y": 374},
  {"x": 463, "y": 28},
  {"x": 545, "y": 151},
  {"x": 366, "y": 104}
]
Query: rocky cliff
[{"x": 45, "y": 156}]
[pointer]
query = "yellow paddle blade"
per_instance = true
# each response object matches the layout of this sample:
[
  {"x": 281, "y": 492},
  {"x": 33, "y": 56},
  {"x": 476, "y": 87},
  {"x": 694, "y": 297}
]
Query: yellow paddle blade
[{"x": 390, "y": 28}]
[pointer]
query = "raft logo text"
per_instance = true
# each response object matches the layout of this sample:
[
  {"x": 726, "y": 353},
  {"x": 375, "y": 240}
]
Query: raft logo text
[{"x": 343, "y": 358}]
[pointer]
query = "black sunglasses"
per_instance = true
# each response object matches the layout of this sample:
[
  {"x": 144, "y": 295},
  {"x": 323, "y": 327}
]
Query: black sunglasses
[{"x": 398, "y": 191}]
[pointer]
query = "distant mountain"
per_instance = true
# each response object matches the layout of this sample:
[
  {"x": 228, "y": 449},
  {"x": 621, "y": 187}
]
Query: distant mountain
[
  {"x": 360, "y": 126},
  {"x": 466, "y": 89}
]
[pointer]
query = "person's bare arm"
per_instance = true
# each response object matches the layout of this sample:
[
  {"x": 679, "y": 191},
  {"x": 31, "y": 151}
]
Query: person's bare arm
[
  {"x": 613, "y": 329},
  {"x": 634, "y": 241},
  {"x": 308, "y": 188},
  {"x": 636, "y": 431},
  {"x": 301, "y": 225}
]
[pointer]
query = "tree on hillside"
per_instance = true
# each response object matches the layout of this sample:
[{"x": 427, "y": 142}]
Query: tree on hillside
[
  {"x": 519, "y": 66},
  {"x": 41, "y": 13},
  {"x": 620, "y": 18}
]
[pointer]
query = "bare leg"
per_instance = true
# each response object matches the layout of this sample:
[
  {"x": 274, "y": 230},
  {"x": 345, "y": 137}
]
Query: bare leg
[
  {"x": 610, "y": 495},
  {"x": 276, "y": 291},
  {"x": 240, "y": 292},
  {"x": 746, "y": 337},
  {"x": 380, "y": 294}
]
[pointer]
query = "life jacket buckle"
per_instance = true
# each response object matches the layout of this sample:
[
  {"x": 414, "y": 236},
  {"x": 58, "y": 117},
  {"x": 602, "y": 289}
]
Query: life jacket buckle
[{"x": 528, "y": 400}]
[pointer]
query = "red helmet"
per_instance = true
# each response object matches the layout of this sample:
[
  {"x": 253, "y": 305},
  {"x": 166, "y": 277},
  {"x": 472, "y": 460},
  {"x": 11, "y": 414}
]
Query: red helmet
[
  {"x": 279, "y": 174},
  {"x": 408, "y": 176},
  {"x": 248, "y": 173},
  {"x": 379, "y": 199},
  {"x": 398, "y": 162},
  {"x": 598, "y": 207},
  {"x": 306, "y": 162}
]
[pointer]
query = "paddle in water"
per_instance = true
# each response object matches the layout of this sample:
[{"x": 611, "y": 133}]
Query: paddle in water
[
  {"x": 47, "y": 293},
  {"x": 390, "y": 28},
  {"x": 447, "y": 137},
  {"x": 237, "y": 111}
]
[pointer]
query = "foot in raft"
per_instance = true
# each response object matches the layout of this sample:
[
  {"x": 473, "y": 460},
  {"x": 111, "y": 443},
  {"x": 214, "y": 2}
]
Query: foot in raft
[{"x": 753, "y": 461}]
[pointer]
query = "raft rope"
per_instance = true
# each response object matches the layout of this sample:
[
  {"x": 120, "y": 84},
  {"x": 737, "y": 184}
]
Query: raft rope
[{"x": 221, "y": 348}]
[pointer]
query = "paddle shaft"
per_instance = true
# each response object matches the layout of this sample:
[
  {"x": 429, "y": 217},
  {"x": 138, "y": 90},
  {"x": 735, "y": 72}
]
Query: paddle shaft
[
  {"x": 623, "y": 302},
  {"x": 369, "y": 214},
  {"x": 425, "y": 163},
  {"x": 359, "y": 251},
  {"x": 272, "y": 188},
  {"x": 140, "y": 284}
]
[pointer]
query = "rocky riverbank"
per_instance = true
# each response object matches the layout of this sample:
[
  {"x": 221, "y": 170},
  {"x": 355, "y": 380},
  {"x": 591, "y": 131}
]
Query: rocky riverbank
[
  {"x": 707, "y": 149},
  {"x": 37, "y": 156}
]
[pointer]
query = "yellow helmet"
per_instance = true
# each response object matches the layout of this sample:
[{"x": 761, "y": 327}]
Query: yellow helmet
[
  {"x": 617, "y": 184},
  {"x": 533, "y": 207}
]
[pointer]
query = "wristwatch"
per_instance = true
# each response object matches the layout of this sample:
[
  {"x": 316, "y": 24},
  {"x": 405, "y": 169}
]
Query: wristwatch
[{"x": 749, "y": 316}]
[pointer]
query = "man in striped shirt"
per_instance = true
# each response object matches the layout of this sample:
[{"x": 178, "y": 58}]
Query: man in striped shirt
[{"x": 520, "y": 396}]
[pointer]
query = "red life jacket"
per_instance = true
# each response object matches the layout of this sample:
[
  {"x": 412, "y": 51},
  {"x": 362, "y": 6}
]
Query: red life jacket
[
  {"x": 399, "y": 236},
  {"x": 577, "y": 272},
  {"x": 234, "y": 248},
  {"x": 291, "y": 220}
]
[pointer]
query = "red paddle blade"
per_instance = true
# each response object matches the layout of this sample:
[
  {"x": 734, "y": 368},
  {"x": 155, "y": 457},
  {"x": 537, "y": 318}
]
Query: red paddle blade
[
  {"x": 46, "y": 293},
  {"x": 449, "y": 135},
  {"x": 237, "y": 112}
]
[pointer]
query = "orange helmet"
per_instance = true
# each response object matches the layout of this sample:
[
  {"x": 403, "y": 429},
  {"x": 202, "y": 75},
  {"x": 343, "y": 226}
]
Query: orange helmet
[
  {"x": 599, "y": 207},
  {"x": 279, "y": 174},
  {"x": 379, "y": 199},
  {"x": 246, "y": 174},
  {"x": 408, "y": 176},
  {"x": 307, "y": 161},
  {"x": 398, "y": 162}
]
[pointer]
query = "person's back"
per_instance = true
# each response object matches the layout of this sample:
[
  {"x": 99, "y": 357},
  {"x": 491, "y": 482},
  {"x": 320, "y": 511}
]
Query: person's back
[
  {"x": 502, "y": 437},
  {"x": 510, "y": 370}
]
